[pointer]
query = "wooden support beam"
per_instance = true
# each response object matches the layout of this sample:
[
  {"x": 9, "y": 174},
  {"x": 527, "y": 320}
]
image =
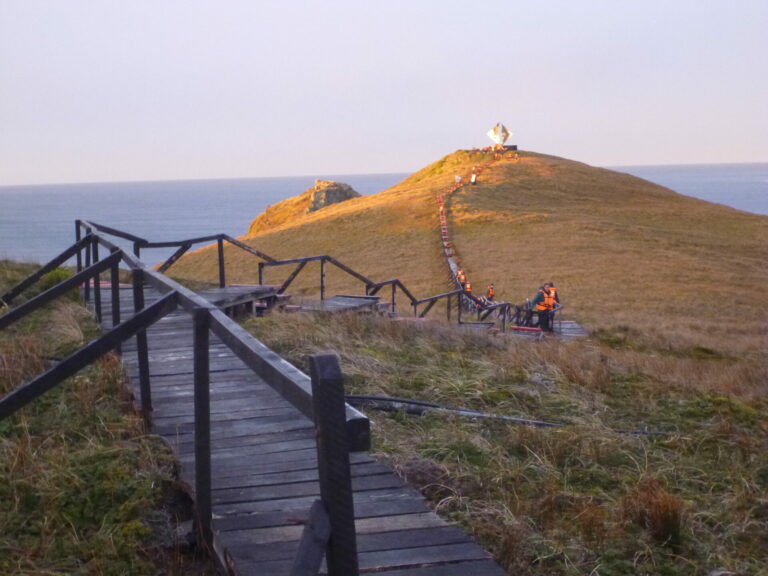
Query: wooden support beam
[
  {"x": 313, "y": 543},
  {"x": 73, "y": 250},
  {"x": 203, "y": 506},
  {"x": 333, "y": 463},
  {"x": 56, "y": 291},
  {"x": 222, "y": 269},
  {"x": 174, "y": 257},
  {"x": 142, "y": 348},
  {"x": 85, "y": 356}
]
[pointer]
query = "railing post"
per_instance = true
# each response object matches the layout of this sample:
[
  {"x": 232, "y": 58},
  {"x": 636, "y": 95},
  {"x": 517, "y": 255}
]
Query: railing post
[
  {"x": 222, "y": 276},
  {"x": 142, "y": 350},
  {"x": 504, "y": 314},
  {"x": 78, "y": 237},
  {"x": 203, "y": 515},
  {"x": 96, "y": 281},
  {"x": 333, "y": 463},
  {"x": 87, "y": 290},
  {"x": 137, "y": 249},
  {"x": 114, "y": 285},
  {"x": 322, "y": 279},
  {"x": 394, "y": 294},
  {"x": 448, "y": 307},
  {"x": 261, "y": 273}
]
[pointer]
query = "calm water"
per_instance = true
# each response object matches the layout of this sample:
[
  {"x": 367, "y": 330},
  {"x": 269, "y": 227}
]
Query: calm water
[
  {"x": 742, "y": 186},
  {"x": 37, "y": 222}
]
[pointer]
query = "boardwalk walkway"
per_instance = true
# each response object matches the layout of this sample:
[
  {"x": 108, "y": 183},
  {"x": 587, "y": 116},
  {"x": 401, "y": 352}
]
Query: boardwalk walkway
[{"x": 265, "y": 469}]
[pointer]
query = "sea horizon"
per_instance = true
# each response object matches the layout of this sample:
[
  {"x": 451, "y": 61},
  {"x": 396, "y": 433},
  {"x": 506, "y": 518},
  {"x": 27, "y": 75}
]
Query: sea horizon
[
  {"x": 37, "y": 220},
  {"x": 616, "y": 167}
]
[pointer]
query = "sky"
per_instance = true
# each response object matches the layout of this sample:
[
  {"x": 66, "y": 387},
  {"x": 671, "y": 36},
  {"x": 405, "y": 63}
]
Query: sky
[{"x": 96, "y": 91}]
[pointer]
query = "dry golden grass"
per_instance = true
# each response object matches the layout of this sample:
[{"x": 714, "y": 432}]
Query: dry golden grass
[
  {"x": 627, "y": 255},
  {"x": 583, "y": 498},
  {"x": 672, "y": 290}
]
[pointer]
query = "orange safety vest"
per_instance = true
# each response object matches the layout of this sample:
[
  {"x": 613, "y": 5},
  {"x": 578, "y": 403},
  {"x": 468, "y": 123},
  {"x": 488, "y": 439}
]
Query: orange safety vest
[
  {"x": 468, "y": 287},
  {"x": 491, "y": 292},
  {"x": 548, "y": 303}
]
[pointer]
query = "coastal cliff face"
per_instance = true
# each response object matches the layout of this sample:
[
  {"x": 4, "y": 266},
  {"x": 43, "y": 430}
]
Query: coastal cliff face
[{"x": 323, "y": 193}]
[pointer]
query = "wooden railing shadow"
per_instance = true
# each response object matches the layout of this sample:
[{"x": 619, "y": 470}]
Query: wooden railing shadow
[{"x": 340, "y": 428}]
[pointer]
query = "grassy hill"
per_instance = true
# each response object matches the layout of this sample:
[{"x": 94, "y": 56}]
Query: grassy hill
[
  {"x": 627, "y": 255},
  {"x": 672, "y": 291}
]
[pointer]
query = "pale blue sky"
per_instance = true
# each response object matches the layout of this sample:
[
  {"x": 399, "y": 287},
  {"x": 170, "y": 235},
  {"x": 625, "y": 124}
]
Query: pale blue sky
[{"x": 105, "y": 90}]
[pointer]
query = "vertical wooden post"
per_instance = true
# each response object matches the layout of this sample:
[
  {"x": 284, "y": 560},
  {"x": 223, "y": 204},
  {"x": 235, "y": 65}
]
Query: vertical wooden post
[
  {"x": 504, "y": 314},
  {"x": 322, "y": 279},
  {"x": 222, "y": 275},
  {"x": 96, "y": 282},
  {"x": 87, "y": 291},
  {"x": 137, "y": 249},
  {"x": 333, "y": 463},
  {"x": 203, "y": 508},
  {"x": 114, "y": 285},
  {"x": 261, "y": 273},
  {"x": 448, "y": 308},
  {"x": 78, "y": 237},
  {"x": 142, "y": 349},
  {"x": 459, "y": 307},
  {"x": 394, "y": 293}
]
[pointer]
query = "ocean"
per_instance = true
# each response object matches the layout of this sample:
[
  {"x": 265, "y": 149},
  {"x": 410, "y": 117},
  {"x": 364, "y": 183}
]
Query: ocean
[
  {"x": 741, "y": 186},
  {"x": 37, "y": 222}
]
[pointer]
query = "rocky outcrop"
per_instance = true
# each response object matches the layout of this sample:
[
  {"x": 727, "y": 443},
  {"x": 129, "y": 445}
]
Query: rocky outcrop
[{"x": 327, "y": 192}]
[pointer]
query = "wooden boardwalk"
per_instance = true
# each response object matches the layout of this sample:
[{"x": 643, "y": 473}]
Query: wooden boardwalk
[
  {"x": 264, "y": 465},
  {"x": 343, "y": 303}
]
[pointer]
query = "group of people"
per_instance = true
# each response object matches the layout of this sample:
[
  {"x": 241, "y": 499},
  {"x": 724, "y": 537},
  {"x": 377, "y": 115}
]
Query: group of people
[{"x": 545, "y": 303}]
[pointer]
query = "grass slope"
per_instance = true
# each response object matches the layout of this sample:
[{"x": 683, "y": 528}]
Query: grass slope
[
  {"x": 83, "y": 488},
  {"x": 673, "y": 292}
]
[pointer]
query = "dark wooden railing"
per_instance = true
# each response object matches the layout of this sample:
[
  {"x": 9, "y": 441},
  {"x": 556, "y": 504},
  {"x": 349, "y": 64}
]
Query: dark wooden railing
[{"x": 340, "y": 428}]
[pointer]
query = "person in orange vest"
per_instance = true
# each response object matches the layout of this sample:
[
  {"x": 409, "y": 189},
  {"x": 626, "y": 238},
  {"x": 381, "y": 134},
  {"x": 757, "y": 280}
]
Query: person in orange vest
[
  {"x": 553, "y": 295},
  {"x": 461, "y": 277},
  {"x": 468, "y": 288},
  {"x": 491, "y": 292},
  {"x": 544, "y": 304}
]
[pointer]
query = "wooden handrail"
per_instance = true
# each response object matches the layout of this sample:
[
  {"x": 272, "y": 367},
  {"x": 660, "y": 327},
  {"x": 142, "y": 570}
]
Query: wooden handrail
[
  {"x": 73, "y": 250},
  {"x": 32, "y": 390},
  {"x": 60, "y": 289}
]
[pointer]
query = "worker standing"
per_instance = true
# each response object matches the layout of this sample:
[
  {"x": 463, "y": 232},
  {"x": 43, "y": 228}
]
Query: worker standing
[
  {"x": 491, "y": 292},
  {"x": 544, "y": 304}
]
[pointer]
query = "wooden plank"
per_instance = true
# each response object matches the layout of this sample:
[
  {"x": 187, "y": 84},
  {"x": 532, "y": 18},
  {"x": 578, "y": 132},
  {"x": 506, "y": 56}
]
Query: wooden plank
[
  {"x": 470, "y": 568},
  {"x": 284, "y": 489},
  {"x": 285, "y": 549},
  {"x": 303, "y": 503},
  {"x": 414, "y": 505}
]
